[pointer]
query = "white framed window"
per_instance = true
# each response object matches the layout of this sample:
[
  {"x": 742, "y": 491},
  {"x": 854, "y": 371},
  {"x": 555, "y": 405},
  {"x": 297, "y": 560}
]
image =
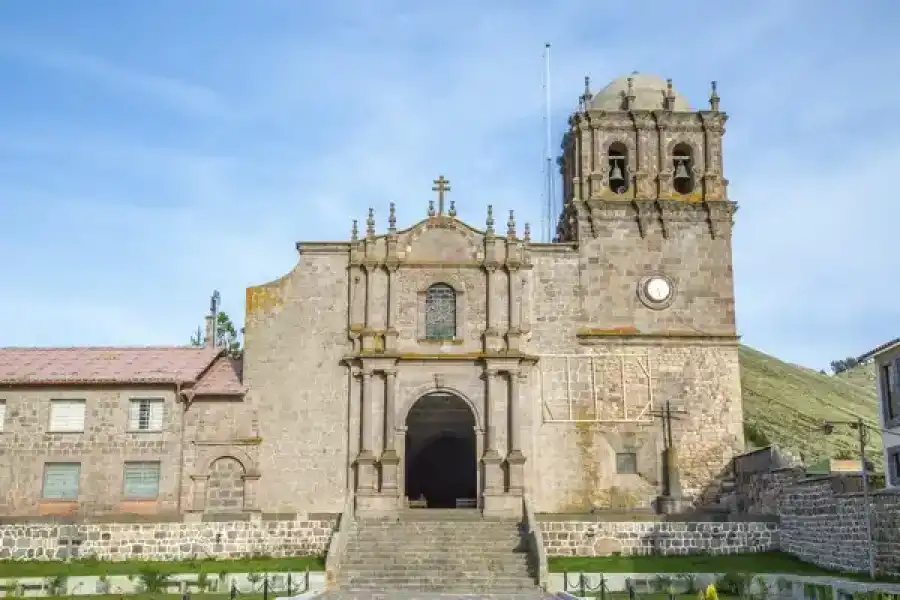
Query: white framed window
[
  {"x": 2, "y": 415},
  {"x": 61, "y": 481},
  {"x": 142, "y": 480},
  {"x": 67, "y": 416},
  {"x": 145, "y": 414}
]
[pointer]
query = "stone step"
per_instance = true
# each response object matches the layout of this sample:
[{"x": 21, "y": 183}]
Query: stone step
[
  {"x": 444, "y": 559},
  {"x": 521, "y": 570},
  {"x": 437, "y": 582},
  {"x": 394, "y": 546},
  {"x": 436, "y": 556},
  {"x": 454, "y": 527},
  {"x": 452, "y": 594},
  {"x": 435, "y": 540}
]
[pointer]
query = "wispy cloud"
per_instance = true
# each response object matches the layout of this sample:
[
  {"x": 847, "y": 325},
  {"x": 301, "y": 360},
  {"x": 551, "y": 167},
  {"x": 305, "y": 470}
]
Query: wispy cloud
[
  {"x": 88, "y": 69},
  {"x": 297, "y": 119}
]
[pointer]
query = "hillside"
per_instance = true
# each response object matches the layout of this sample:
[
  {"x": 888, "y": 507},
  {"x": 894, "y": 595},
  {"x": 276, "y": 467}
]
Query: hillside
[{"x": 785, "y": 404}]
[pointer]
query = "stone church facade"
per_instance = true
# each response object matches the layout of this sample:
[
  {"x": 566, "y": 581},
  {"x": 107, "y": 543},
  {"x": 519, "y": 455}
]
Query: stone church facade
[{"x": 443, "y": 364}]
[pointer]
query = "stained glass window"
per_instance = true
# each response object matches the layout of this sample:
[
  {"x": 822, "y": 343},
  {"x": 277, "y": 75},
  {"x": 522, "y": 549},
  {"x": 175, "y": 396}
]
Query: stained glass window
[{"x": 440, "y": 312}]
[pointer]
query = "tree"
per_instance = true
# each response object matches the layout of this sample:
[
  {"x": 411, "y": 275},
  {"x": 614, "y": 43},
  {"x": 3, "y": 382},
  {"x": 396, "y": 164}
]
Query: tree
[
  {"x": 839, "y": 366},
  {"x": 227, "y": 336}
]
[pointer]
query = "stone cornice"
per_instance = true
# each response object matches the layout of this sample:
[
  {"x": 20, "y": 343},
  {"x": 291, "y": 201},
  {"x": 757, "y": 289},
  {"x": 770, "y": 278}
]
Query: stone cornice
[
  {"x": 400, "y": 357},
  {"x": 323, "y": 247},
  {"x": 633, "y": 336}
]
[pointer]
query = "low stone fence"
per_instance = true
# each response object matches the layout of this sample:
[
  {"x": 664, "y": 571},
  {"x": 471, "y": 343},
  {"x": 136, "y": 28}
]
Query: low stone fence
[
  {"x": 822, "y": 525},
  {"x": 167, "y": 541},
  {"x": 602, "y": 538}
]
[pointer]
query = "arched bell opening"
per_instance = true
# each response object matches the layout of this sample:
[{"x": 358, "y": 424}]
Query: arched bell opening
[{"x": 441, "y": 464}]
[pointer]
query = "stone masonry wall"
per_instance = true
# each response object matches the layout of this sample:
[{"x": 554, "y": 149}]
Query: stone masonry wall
[
  {"x": 827, "y": 528},
  {"x": 587, "y": 538},
  {"x": 167, "y": 541}
]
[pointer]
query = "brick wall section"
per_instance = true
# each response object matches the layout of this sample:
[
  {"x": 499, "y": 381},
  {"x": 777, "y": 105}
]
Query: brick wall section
[
  {"x": 825, "y": 527},
  {"x": 588, "y": 538},
  {"x": 168, "y": 541}
]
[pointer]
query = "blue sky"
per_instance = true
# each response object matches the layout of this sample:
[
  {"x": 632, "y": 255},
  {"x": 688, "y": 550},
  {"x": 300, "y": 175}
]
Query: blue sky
[{"x": 151, "y": 152}]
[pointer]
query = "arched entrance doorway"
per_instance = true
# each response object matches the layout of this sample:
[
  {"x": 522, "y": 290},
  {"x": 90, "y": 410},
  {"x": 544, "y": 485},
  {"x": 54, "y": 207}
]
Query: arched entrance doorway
[{"x": 441, "y": 465}]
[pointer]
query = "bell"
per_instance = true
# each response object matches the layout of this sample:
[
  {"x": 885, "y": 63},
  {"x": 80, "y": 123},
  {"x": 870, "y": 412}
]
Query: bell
[
  {"x": 681, "y": 171},
  {"x": 616, "y": 173}
]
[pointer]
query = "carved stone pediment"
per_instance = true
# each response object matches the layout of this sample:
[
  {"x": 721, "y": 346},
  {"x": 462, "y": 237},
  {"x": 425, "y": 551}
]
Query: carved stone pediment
[{"x": 440, "y": 239}]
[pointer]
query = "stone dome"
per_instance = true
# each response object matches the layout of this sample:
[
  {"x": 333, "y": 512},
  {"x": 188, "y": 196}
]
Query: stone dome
[{"x": 649, "y": 91}]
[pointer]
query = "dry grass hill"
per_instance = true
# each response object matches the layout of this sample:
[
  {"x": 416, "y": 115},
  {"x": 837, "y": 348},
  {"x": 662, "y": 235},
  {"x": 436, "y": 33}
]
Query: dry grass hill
[{"x": 785, "y": 404}]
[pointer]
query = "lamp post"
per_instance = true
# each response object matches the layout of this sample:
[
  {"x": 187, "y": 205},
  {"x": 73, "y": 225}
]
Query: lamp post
[{"x": 862, "y": 429}]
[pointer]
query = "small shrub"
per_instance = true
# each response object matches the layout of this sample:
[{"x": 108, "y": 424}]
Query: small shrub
[
  {"x": 690, "y": 583},
  {"x": 202, "y": 582},
  {"x": 709, "y": 593},
  {"x": 152, "y": 580},
  {"x": 734, "y": 584},
  {"x": 660, "y": 584},
  {"x": 56, "y": 585}
]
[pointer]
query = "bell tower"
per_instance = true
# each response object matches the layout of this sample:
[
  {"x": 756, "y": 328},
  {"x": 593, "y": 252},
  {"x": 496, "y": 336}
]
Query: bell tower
[{"x": 638, "y": 148}]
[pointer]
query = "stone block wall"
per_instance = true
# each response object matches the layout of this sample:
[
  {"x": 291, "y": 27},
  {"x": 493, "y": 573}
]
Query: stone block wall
[
  {"x": 821, "y": 525},
  {"x": 602, "y": 538},
  {"x": 168, "y": 541}
]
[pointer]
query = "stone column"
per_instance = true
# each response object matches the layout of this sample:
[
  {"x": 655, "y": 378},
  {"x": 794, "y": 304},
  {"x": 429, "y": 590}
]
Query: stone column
[
  {"x": 390, "y": 334},
  {"x": 389, "y": 457},
  {"x": 515, "y": 459},
  {"x": 514, "y": 335},
  {"x": 370, "y": 288},
  {"x": 365, "y": 461},
  {"x": 493, "y": 472}
]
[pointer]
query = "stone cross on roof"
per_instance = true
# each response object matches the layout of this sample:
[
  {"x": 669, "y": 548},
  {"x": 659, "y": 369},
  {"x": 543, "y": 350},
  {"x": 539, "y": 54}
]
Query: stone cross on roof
[{"x": 441, "y": 186}]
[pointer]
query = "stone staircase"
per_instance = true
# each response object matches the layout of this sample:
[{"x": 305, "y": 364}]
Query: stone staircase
[{"x": 437, "y": 551}]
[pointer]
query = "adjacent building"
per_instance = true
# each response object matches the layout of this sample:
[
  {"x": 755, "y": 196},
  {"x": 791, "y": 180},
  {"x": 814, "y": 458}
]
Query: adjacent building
[
  {"x": 444, "y": 364},
  {"x": 886, "y": 358}
]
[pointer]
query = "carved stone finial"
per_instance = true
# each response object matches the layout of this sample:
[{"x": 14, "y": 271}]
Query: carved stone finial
[
  {"x": 452, "y": 211},
  {"x": 392, "y": 218},
  {"x": 629, "y": 95},
  {"x": 511, "y": 225},
  {"x": 526, "y": 235},
  {"x": 489, "y": 223},
  {"x": 431, "y": 211},
  {"x": 370, "y": 223},
  {"x": 713, "y": 97},
  {"x": 354, "y": 231},
  {"x": 669, "y": 99}
]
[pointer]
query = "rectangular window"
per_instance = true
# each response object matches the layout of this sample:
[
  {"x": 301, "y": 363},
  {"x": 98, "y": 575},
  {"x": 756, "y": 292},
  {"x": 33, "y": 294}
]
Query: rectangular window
[
  {"x": 145, "y": 414},
  {"x": 2, "y": 415},
  {"x": 142, "y": 480},
  {"x": 61, "y": 481},
  {"x": 893, "y": 466},
  {"x": 626, "y": 463},
  {"x": 67, "y": 415},
  {"x": 888, "y": 392}
]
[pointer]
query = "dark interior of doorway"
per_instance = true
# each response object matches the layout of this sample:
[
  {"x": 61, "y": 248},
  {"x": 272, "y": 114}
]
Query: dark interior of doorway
[{"x": 441, "y": 462}]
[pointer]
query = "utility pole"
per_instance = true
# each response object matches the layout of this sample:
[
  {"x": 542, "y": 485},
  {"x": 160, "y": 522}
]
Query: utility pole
[{"x": 861, "y": 427}]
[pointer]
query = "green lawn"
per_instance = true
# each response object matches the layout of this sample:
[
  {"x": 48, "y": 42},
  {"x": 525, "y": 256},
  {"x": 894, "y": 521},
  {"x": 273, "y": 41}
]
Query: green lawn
[
  {"x": 762, "y": 562},
  {"x": 35, "y": 568}
]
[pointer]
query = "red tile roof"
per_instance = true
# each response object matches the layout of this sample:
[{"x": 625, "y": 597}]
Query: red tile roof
[
  {"x": 115, "y": 365},
  {"x": 223, "y": 378}
]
